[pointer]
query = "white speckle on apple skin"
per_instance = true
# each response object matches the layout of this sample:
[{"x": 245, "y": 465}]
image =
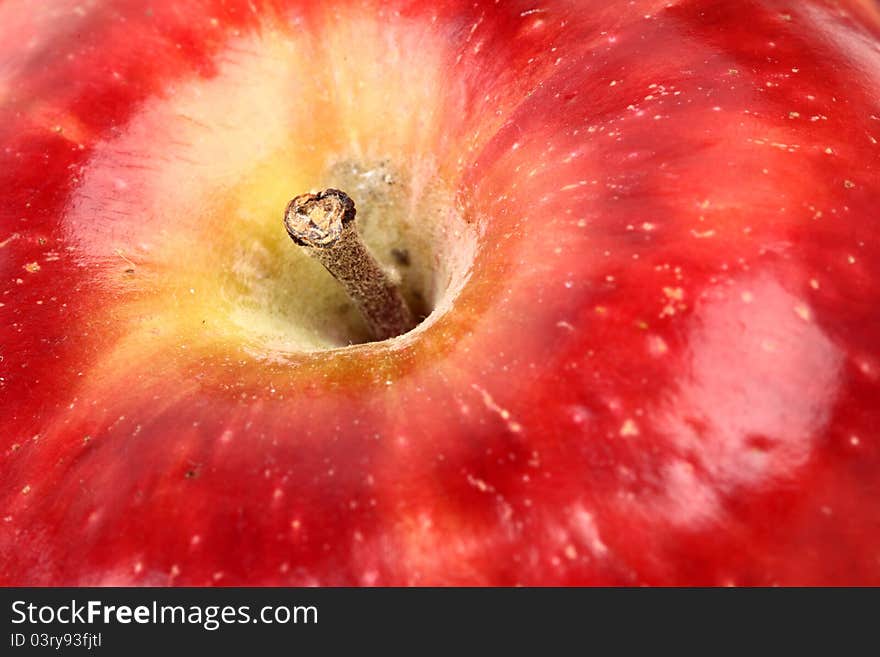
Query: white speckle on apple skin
[{"x": 503, "y": 413}]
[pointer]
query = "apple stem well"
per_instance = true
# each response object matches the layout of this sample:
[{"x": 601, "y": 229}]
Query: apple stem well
[{"x": 324, "y": 226}]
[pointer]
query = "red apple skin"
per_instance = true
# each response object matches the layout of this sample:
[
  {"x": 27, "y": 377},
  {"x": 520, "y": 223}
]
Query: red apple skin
[{"x": 664, "y": 367}]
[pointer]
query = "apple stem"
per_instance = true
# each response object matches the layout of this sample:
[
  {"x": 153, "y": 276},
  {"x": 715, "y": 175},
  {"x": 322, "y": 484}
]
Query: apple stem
[{"x": 323, "y": 225}]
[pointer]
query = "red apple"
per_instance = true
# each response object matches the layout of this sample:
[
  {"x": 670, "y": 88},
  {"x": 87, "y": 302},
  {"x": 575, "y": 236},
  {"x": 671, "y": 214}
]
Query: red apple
[{"x": 645, "y": 235}]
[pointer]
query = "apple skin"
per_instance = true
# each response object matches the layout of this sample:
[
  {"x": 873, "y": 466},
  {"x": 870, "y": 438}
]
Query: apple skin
[{"x": 662, "y": 369}]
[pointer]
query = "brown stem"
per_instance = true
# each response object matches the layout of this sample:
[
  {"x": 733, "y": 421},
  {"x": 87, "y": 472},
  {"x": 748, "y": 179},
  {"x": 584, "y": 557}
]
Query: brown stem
[{"x": 323, "y": 224}]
